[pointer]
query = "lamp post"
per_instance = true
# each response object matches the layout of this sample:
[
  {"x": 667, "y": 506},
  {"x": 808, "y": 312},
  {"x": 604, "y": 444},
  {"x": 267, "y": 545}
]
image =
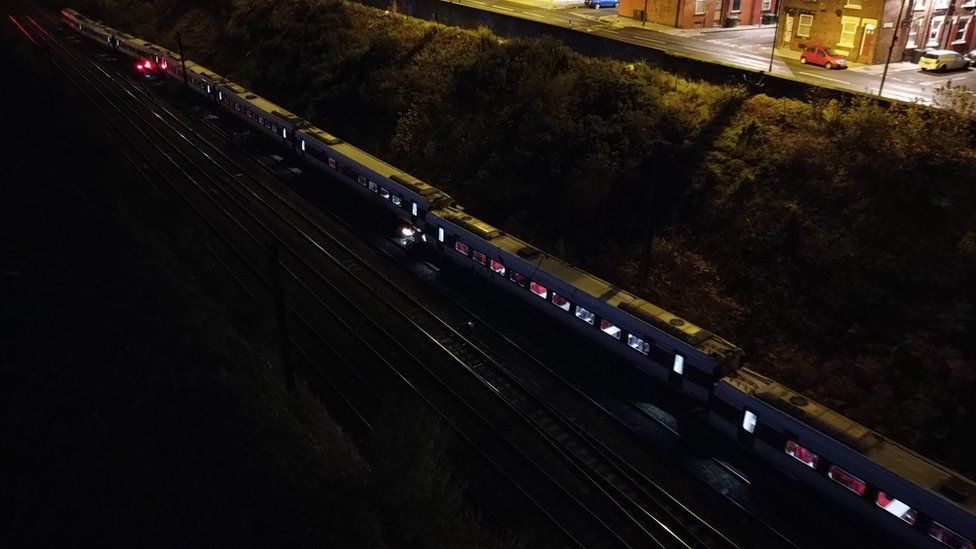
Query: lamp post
[
  {"x": 772, "y": 52},
  {"x": 891, "y": 48}
]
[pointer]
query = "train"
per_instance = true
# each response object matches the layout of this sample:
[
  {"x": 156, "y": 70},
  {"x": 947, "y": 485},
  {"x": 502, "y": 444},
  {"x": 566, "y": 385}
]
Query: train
[{"x": 916, "y": 500}]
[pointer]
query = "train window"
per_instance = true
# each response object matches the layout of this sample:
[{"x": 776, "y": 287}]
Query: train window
[
  {"x": 847, "y": 480},
  {"x": 440, "y": 234},
  {"x": 679, "y": 364},
  {"x": 518, "y": 278},
  {"x": 560, "y": 301},
  {"x": 948, "y": 537},
  {"x": 303, "y": 145},
  {"x": 248, "y": 113},
  {"x": 373, "y": 186},
  {"x": 384, "y": 193},
  {"x": 749, "y": 421},
  {"x": 538, "y": 289},
  {"x": 414, "y": 209},
  {"x": 208, "y": 91},
  {"x": 497, "y": 267},
  {"x": 802, "y": 454},
  {"x": 609, "y": 329},
  {"x": 395, "y": 198},
  {"x": 284, "y": 133},
  {"x": 331, "y": 162},
  {"x": 462, "y": 247},
  {"x": 584, "y": 315},
  {"x": 638, "y": 344},
  {"x": 479, "y": 257},
  {"x": 897, "y": 508},
  {"x": 237, "y": 107},
  {"x": 363, "y": 181}
]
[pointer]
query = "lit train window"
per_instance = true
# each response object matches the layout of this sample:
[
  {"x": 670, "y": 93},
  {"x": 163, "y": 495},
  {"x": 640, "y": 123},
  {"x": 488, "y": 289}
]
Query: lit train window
[
  {"x": 678, "y": 366},
  {"x": 560, "y": 301},
  {"x": 440, "y": 234},
  {"x": 414, "y": 209},
  {"x": 373, "y": 186},
  {"x": 638, "y": 344},
  {"x": 518, "y": 278},
  {"x": 462, "y": 247},
  {"x": 362, "y": 180},
  {"x": 847, "y": 480},
  {"x": 897, "y": 508},
  {"x": 802, "y": 454},
  {"x": 610, "y": 329},
  {"x": 749, "y": 421},
  {"x": 395, "y": 198},
  {"x": 479, "y": 257},
  {"x": 538, "y": 289},
  {"x": 584, "y": 315},
  {"x": 332, "y": 163},
  {"x": 303, "y": 144},
  {"x": 384, "y": 193},
  {"x": 497, "y": 267},
  {"x": 948, "y": 537}
]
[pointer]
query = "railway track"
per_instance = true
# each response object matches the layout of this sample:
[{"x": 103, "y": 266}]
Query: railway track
[{"x": 567, "y": 460}]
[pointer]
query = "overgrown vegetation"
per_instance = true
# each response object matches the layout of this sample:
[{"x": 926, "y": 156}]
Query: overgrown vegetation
[{"x": 835, "y": 242}]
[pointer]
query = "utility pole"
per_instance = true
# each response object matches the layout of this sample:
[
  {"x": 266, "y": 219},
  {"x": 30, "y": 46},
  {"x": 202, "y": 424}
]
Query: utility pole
[
  {"x": 772, "y": 52},
  {"x": 281, "y": 316},
  {"x": 947, "y": 26},
  {"x": 891, "y": 48},
  {"x": 179, "y": 44}
]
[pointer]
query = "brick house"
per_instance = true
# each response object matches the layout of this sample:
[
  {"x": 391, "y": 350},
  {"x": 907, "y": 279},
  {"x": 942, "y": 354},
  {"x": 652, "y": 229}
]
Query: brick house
[
  {"x": 939, "y": 24},
  {"x": 863, "y": 29},
  {"x": 696, "y": 14}
]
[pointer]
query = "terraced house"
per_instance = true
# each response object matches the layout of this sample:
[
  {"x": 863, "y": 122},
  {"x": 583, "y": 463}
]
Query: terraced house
[
  {"x": 696, "y": 14},
  {"x": 863, "y": 29}
]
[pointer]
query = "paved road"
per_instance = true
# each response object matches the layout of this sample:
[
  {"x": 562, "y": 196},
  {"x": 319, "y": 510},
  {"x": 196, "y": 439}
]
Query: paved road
[{"x": 749, "y": 48}]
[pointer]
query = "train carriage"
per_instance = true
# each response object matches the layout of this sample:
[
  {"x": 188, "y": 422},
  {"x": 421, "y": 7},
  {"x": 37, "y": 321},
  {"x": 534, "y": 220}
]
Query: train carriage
[{"x": 917, "y": 500}]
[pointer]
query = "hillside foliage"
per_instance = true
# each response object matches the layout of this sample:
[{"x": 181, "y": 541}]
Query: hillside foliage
[{"x": 835, "y": 242}]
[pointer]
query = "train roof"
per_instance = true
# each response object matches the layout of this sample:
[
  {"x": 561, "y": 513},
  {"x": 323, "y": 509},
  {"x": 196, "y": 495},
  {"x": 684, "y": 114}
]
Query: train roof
[
  {"x": 596, "y": 287},
  {"x": 886, "y": 453}
]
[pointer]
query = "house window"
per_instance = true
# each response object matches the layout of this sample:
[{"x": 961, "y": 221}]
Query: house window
[
  {"x": 803, "y": 26},
  {"x": 934, "y": 30},
  {"x": 913, "y": 32},
  {"x": 941, "y": 4},
  {"x": 961, "y": 24},
  {"x": 848, "y": 30},
  {"x": 699, "y": 7},
  {"x": 767, "y": 5},
  {"x": 919, "y": 5},
  {"x": 736, "y": 6}
]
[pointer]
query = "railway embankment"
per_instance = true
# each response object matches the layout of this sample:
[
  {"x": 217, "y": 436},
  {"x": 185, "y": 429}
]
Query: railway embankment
[
  {"x": 834, "y": 241},
  {"x": 141, "y": 403}
]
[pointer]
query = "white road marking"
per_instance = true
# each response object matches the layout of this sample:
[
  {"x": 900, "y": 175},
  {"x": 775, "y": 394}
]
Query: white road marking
[{"x": 815, "y": 75}]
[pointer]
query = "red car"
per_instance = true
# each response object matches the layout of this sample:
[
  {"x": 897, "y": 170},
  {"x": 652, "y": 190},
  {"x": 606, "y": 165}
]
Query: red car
[{"x": 822, "y": 55}]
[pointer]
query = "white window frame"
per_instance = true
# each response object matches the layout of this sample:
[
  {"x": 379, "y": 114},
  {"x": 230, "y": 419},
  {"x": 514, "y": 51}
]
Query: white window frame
[
  {"x": 962, "y": 24},
  {"x": 700, "y": 7},
  {"x": 919, "y": 5},
  {"x": 733, "y": 9},
  {"x": 847, "y": 37},
  {"x": 935, "y": 30},
  {"x": 767, "y": 5},
  {"x": 941, "y": 4},
  {"x": 913, "y": 29},
  {"x": 800, "y": 24},
  {"x": 852, "y": 4}
]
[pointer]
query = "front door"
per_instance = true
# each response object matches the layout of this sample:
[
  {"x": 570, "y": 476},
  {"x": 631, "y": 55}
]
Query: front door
[{"x": 866, "y": 51}]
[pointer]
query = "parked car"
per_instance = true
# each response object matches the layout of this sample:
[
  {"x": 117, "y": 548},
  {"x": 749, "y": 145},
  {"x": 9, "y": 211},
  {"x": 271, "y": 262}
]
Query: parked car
[
  {"x": 971, "y": 56},
  {"x": 943, "y": 60},
  {"x": 822, "y": 55},
  {"x": 597, "y": 4}
]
